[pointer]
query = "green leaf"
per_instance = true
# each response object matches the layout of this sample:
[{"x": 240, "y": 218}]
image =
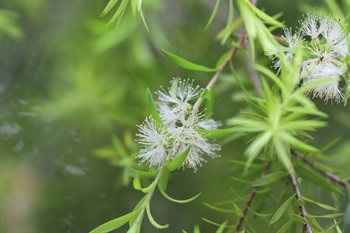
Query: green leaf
[
  {"x": 270, "y": 178},
  {"x": 144, "y": 20},
  {"x": 222, "y": 227},
  {"x": 120, "y": 12},
  {"x": 136, "y": 182},
  {"x": 218, "y": 208},
  {"x": 209, "y": 103},
  {"x": 196, "y": 229},
  {"x": 133, "y": 7},
  {"x": 113, "y": 224},
  {"x": 259, "y": 214},
  {"x": 177, "y": 162},
  {"x": 151, "y": 219},
  {"x": 337, "y": 227},
  {"x": 148, "y": 189},
  {"x": 316, "y": 178},
  {"x": 237, "y": 210},
  {"x": 153, "y": 109},
  {"x": 298, "y": 218},
  {"x": 265, "y": 17},
  {"x": 268, "y": 73},
  {"x": 296, "y": 143},
  {"x": 135, "y": 227},
  {"x": 164, "y": 179},
  {"x": 281, "y": 210},
  {"x": 255, "y": 107},
  {"x": 315, "y": 225},
  {"x": 212, "y": 16},
  {"x": 206, "y": 94},
  {"x": 282, "y": 151},
  {"x": 323, "y": 206},
  {"x": 175, "y": 200},
  {"x": 255, "y": 148},
  {"x": 109, "y": 6},
  {"x": 137, "y": 211},
  {"x": 139, "y": 3},
  {"x": 337, "y": 215},
  {"x": 286, "y": 227},
  {"x": 219, "y": 133},
  {"x": 143, "y": 174},
  {"x": 187, "y": 64},
  {"x": 241, "y": 180},
  {"x": 227, "y": 32}
]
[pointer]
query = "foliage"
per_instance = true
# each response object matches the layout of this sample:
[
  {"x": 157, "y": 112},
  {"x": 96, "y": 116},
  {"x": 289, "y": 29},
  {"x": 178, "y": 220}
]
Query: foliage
[
  {"x": 277, "y": 159},
  {"x": 276, "y": 126}
]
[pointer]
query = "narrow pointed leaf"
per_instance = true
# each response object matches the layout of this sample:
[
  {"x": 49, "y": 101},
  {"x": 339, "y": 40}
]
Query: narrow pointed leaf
[
  {"x": 259, "y": 214},
  {"x": 120, "y": 12},
  {"x": 137, "y": 211},
  {"x": 265, "y": 17},
  {"x": 317, "y": 179},
  {"x": 218, "y": 208},
  {"x": 323, "y": 206},
  {"x": 133, "y": 7},
  {"x": 139, "y": 3},
  {"x": 164, "y": 179},
  {"x": 187, "y": 64},
  {"x": 298, "y": 218},
  {"x": 109, "y": 6},
  {"x": 212, "y": 16},
  {"x": 151, "y": 219},
  {"x": 286, "y": 227},
  {"x": 222, "y": 228},
  {"x": 281, "y": 210},
  {"x": 255, "y": 147},
  {"x": 143, "y": 174},
  {"x": 177, "y": 162},
  {"x": 237, "y": 210},
  {"x": 337, "y": 227},
  {"x": 337, "y": 215},
  {"x": 270, "y": 178},
  {"x": 152, "y": 108},
  {"x": 136, "y": 182},
  {"x": 144, "y": 20},
  {"x": 219, "y": 133},
  {"x": 113, "y": 224},
  {"x": 175, "y": 200},
  {"x": 283, "y": 155},
  {"x": 228, "y": 29}
]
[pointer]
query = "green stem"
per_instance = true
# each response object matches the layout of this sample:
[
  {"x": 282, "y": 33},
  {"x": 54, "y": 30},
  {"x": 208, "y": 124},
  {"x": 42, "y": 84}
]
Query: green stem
[{"x": 147, "y": 200}]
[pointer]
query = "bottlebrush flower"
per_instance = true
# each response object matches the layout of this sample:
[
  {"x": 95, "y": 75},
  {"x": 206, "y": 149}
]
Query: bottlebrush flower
[
  {"x": 154, "y": 143},
  {"x": 179, "y": 131},
  {"x": 325, "y": 59}
]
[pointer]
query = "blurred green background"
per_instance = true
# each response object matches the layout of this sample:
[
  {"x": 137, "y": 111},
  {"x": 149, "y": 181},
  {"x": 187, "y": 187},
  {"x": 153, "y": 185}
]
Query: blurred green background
[{"x": 73, "y": 90}]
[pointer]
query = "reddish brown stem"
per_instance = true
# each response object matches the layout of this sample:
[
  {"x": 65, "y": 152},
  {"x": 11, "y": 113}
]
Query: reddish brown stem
[
  {"x": 220, "y": 69},
  {"x": 329, "y": 175},
  {"x": 250, "y": 200},
  {"x": 302, "y": 209}
]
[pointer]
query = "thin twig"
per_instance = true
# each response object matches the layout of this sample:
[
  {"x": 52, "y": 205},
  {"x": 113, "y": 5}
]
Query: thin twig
[
  {"x": 302, "y": 209},
  {"x": 220, "y": 69},
  {"x": 329, "y": 175},
  {"x": 250, "y": 200}
]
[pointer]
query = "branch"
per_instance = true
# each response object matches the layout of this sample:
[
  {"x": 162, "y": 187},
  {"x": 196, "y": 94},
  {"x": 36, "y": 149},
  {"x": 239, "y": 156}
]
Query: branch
[
  {"x": 250, "y": 200},
  {"x": 329, "y": 175},
  {"x": 221, "y": 68},
  {"x": 301, "y": 208}
]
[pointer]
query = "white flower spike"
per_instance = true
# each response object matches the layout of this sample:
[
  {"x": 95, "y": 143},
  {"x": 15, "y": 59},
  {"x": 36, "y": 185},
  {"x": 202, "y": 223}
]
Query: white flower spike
[
  {"x": 180, "y": 122},
  {"x": 154, "y": 142},
  {"x": 325, "y": 65}
]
